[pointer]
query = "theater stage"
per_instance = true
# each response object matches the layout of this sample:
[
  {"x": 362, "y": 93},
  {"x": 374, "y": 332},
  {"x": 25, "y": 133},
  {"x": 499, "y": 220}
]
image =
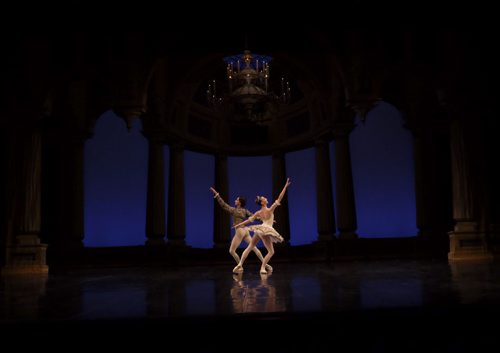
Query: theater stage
[{"x": 379, "y": 305}]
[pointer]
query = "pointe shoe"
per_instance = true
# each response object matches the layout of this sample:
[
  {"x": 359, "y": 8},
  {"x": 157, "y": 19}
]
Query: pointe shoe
[
  {"x": 269, "y": 268},
  {"x": 263, "y": 271},
  {"x": 238, "y": 269},
  {"x": 238, "y": 278}
]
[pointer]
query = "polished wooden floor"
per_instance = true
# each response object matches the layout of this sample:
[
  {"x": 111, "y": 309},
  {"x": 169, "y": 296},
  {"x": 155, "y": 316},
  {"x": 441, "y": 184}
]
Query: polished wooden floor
[{"x": 380, "y": 305}]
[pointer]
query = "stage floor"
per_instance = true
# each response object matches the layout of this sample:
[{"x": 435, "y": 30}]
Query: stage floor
[{"x": 403, "y": 304}]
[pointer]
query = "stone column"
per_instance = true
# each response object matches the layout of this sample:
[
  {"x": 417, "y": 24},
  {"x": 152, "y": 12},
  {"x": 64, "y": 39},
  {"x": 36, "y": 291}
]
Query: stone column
[
  {"x": 62, "y": 223},
  {"x": 467, "y": 241},
  {"x": 281, "y": 213},
  {"x": 74, "y": 185},
  {"x": 423, "y": 182},
  {"x": 51, "y": 231},
  {"x": 6, "y": 179},
  {"x": 433, "y": 195},
  {"x": 176, "y": 226},
  {"x": 155, "y": 209},
  {"x": 326, "y": 212},
  {"x": 26, "y": 254},
  {"x": 222, "y": 227},
  {"x": 346, "y": 209}
]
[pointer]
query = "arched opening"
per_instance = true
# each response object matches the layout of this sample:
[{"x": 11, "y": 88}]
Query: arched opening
[
  {"x": 115, "y": 182},
  {"x": 383, "y": 174}
]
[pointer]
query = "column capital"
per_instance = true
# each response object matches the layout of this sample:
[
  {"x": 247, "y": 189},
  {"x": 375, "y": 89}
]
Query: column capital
[
  {"x": 321, "y": 140},
  {"x": 362, "y": 105},
  {"x": 340, "y": 130},
  {"x": 221, "y": 155},
  {"x": 129, "y": 112},
  {"x": 278, "y": 154},
  {"x": 155, "y": 135},
  {"x": 176, "y": 145}
]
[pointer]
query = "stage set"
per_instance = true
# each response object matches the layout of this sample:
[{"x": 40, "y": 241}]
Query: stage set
[{"x": 389, "y": 231}]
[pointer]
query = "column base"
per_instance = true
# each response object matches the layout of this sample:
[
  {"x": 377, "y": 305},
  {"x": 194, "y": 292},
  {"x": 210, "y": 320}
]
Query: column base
[
  {"x": 181, "y": 243},
  {"x": 27, "y": 256},
  {"x": 466, "y": 245},
  {"x": 25, "y": 270},
  {"x": 325, "y": 237},
  {"x": 348, "y": 235},
  {"x": 326, "y": 247},
  {"x": 155, "y": 242}
]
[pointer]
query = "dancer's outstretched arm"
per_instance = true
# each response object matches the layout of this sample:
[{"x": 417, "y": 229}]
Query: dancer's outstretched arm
[
  {"x": 248, "y": 220},
  {"x": 221, "y": 202},
  {"x": 281, "y": 195}
]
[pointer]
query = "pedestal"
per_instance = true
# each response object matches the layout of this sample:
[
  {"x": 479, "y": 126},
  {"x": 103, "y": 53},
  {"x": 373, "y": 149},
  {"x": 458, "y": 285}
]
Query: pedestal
[
  {"x": 26, "y": 256},
  {"x": 466, "y": 243}
]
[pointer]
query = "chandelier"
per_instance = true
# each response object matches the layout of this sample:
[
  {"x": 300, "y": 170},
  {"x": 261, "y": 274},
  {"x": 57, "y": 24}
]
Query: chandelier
[{"x": 249, "y": 97}]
